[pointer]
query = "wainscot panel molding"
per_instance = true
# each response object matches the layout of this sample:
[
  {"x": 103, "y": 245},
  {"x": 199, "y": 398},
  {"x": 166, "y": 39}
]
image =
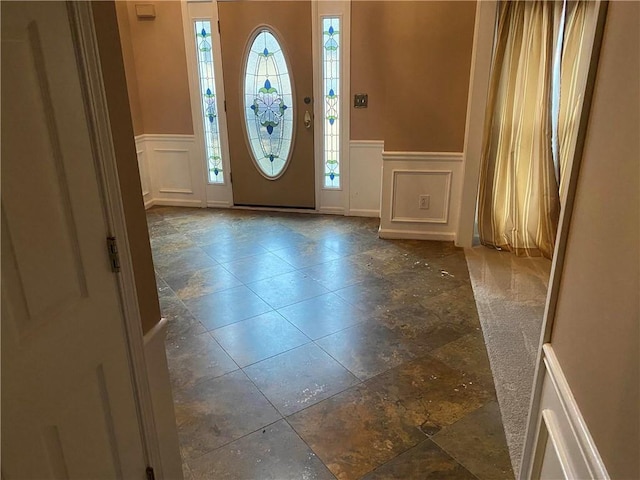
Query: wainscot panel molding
[
  {"x": 365, "y": 177},
  {"x": 564, "y": 447},
  {"x": 171, "y": 172},
  {"x": 420, "y": 195},
  {"x": 162, "y": 400},
  {"x": 145, "y": 177}
]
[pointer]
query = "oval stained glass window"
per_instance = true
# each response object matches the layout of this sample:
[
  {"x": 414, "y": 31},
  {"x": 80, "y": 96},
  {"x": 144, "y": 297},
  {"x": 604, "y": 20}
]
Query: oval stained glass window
[{"x": 268, "y": 105}]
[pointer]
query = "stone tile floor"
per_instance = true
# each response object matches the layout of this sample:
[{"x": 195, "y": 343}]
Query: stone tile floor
[{"x": 305, "y": 347}]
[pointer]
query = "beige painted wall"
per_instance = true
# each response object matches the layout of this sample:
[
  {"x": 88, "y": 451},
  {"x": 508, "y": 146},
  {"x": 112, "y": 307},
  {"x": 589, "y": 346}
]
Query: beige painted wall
[
  {"x": 157, "y": 50},
  {"x": 414, "y": 60},
  {"x": 122, "y": 131},
  {"x": 367, "y": 69},
  {"x": 129, "y": 66},
  {"x": 596, "y": 331}
]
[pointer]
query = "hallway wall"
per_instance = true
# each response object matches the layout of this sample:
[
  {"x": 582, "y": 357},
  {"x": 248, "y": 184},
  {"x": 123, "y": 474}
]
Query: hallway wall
[
  {"x": 414, "y": 60},
  {"x": 156, "y": 67},
  {"x": 129, "y": 67},
  {"x": 122, "y": 132},
  {"x": 595, "y": 332}
]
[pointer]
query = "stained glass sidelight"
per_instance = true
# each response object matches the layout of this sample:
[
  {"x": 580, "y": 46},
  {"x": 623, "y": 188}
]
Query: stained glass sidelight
[
  {"x": 268, "y": 105},
  {"x": 204, "y": 57},
  {"x": 331, "y": 91}
]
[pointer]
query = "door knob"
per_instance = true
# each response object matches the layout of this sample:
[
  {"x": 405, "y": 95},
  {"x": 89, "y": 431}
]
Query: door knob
[{"x": 307, "y": 119}]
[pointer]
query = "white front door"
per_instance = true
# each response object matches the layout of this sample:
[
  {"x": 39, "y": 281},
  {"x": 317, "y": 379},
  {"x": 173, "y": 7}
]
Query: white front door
[{"x": 68, "y": 403}]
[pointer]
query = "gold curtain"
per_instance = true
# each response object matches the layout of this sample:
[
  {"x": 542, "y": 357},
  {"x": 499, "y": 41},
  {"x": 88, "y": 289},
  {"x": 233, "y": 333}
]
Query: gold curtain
[
  {"x": 570, "y": 93},
  {"x": 518, "y": 204}
]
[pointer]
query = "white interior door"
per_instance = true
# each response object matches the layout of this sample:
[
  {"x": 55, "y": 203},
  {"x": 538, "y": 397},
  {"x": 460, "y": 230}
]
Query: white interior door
[{"x": 68, "y": 404}]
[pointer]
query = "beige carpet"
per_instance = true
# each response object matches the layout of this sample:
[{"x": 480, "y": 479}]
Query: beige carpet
[{"x": 510, "y": 293}]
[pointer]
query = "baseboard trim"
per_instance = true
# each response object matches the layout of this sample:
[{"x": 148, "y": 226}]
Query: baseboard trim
[
  {"x": 587, "y": 445},
  {"x": 149, "y": 203},
  {"x": 331, "y": 210},
  {"x": 274, "y": 209},
  {"x": 363, "y": 212},
  {"x": 218, "y": 204},
  {"x": 174, "y": 202},
  {"x": 416, "y": 235}
]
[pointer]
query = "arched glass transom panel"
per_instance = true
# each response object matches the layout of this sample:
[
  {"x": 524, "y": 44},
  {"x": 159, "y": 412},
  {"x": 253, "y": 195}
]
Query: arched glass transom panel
[{"x": 268, "y": 105}]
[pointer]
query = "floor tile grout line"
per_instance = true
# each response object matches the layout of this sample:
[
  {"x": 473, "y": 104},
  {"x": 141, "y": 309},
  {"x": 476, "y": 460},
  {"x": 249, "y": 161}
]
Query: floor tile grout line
[
  {"x": 340, "y": 330},
  {"x": 425, "y": 440},
  {"x": 263, "y": 394},
  {"x": 225, "y": 351},
  {"x": 454, "y": 456},
  {"x": 181, "y": 303},
  {"x": 287, "y": 305},
  {"x": 358, "y": 381},
  {"x": 339, "y": 362},
  {"x": 357, "y": 384},
  {"x": 189, "y": 460},
  {"x": 309, "y": 446},
  {"x": 271, "y": 309},
  {"x": 276, "y": 354}
]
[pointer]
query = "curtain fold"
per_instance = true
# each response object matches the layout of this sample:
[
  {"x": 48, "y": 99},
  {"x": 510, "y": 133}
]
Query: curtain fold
[
  {"x": 518, "y": 204},
  {"x": 570, "y": 91}
]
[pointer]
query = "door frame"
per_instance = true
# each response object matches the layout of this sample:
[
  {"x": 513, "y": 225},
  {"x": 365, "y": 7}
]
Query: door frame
[
  {"x": 92, "y": 83},
  {"x": 481, "y": 57},
  {"x": 331, "y": 201},
  {"x": 214, "y": 194}
]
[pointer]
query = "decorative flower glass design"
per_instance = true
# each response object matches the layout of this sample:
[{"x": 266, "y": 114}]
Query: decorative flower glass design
[
  {"x": 268, "y": 105},
  {"x": 207, "y": 81},
  {"x": 331, "y": 88}
]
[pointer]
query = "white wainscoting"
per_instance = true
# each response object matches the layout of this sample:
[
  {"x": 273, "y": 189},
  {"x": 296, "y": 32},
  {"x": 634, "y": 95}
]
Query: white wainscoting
[
  {"x": 406, "y": 176},
  {"x": 145, "y": 174},
  {"x": 171, "y": 172},
  {"x": 162, "y": 400},
  {"x": 365, "y": 177},
  {"x": 564, "y": 448}
]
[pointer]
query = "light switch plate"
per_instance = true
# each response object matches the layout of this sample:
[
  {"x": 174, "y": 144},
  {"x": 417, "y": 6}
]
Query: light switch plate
[{"x": 360, "y": 100}]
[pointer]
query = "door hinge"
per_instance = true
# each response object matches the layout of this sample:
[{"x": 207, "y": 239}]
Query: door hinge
[
  {"x": 225, "y": 105},
  {"x": 230, "y": 176},
  {"x": 114, "y": 255},
  {"x": 218, "y": 26},
  {"x": 150, "y": 474}
]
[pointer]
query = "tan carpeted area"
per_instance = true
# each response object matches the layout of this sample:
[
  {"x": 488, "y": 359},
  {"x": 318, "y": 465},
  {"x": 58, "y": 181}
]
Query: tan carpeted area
[{"x": 510, "y": 294}]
